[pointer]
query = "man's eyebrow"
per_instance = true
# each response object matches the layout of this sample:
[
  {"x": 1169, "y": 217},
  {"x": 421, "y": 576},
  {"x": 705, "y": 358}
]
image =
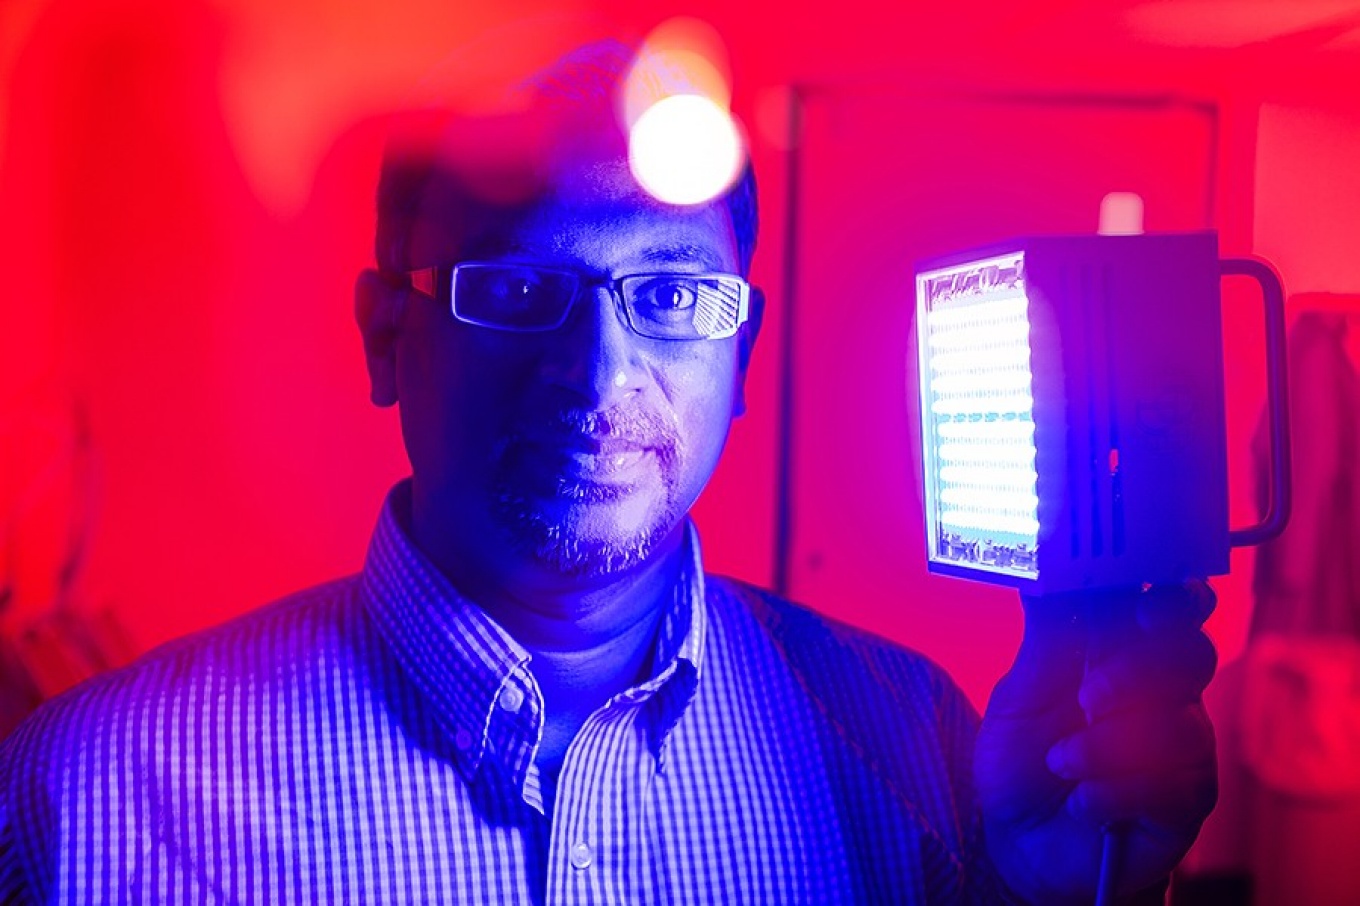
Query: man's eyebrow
[
  {"x": 493, "y": 248},
  {"x": 683, "y": 254}
]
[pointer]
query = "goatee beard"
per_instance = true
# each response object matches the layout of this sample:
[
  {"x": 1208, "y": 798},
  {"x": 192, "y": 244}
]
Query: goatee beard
[
  {"x": 559, "y": 543},
  {"x": 556, "y": 547}
]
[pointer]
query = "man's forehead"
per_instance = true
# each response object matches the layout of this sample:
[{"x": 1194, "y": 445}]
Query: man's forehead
[{"x": 580, "y": 206}]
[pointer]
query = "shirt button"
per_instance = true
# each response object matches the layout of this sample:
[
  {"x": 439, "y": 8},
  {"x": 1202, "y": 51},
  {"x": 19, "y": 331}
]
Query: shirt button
[
  {"x": 581, "y": 856},
  {"x": 511, "y": 698},
  {"x": 463, "y": 740}
]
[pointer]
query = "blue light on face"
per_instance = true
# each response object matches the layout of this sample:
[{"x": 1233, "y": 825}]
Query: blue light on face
[{"x": 977, "y": 397}]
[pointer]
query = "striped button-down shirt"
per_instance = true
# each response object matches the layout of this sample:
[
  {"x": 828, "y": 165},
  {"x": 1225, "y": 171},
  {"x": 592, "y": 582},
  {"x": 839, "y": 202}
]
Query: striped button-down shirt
[{"x": 373, "y": 740}]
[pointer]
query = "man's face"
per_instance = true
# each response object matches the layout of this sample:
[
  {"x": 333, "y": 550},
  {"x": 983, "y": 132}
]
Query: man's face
[{"x": 572, "y": 452}]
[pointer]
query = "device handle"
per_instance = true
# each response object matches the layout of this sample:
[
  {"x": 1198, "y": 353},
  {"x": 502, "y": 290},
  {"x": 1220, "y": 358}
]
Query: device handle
[{"x": 1280, "y": 499}]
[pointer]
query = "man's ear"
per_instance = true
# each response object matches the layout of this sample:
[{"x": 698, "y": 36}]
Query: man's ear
[
  {"x": 746, "y": 340},
  {"x": 378, "y": 304}
]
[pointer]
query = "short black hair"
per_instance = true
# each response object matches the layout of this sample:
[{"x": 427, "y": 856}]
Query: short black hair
[{"x": 588, "y": 78}]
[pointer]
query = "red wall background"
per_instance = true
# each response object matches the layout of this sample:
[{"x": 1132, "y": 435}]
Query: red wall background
[
  {"x": 186, "y": 195},
  {"x": 187, "y": 190},
  {"x": 185, "y": 198}
]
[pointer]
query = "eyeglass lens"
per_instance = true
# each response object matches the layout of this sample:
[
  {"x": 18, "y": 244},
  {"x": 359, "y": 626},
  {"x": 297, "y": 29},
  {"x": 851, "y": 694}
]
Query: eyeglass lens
[{"x": 666, "y": 306}]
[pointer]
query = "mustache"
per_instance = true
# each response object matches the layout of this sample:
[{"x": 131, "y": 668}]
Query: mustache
[{"x": 620, "y": 426}]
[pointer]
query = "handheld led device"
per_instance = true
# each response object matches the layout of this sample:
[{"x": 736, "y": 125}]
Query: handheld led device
[{"x": 1072, "y": 415}]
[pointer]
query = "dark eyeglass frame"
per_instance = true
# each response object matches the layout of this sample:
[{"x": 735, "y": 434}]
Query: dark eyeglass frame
[{"x": 439, "y": 283}]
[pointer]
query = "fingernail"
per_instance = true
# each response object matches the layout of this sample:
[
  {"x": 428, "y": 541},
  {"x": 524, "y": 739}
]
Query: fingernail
[
  {"x": 1095, "y": 694},
  {"x": 1077, "y": 804},
  {"x": 1059, "y": 760}
]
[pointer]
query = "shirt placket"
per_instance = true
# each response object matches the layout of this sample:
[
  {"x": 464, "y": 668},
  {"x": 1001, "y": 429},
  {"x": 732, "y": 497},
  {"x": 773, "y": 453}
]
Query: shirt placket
[
  {"x": 512, "y": 729},
  {"x": 598, "y": 851}
]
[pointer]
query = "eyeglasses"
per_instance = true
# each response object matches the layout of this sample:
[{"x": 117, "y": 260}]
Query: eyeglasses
[{"x": 526, "y": 298}]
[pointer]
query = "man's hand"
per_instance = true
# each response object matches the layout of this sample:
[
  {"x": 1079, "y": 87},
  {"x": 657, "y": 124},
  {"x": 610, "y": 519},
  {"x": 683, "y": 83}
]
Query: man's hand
[{"x": 1099, "y": 724}]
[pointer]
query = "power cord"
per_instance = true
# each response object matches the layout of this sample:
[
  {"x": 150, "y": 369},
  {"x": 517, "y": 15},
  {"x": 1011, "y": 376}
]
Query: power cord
[{"x": 1111, "y": 851}]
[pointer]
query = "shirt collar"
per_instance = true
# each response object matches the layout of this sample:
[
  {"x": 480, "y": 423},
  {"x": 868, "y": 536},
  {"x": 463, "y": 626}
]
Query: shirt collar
[
  {"x": 459, "y": 659},
  {"x": 456, "y": 656}
]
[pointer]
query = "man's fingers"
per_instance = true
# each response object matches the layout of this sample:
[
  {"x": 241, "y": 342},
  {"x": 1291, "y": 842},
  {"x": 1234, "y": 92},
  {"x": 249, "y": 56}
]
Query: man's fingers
[
  {"x": 1159, "y": 626},
  {"x": 1169, "y": 607},
  {"x": 1169, "y": 668},
  {"x": 1173, "y": 799},
  {"x": 1136, "y": 742},
  {"x": 1051, "y": 659}
]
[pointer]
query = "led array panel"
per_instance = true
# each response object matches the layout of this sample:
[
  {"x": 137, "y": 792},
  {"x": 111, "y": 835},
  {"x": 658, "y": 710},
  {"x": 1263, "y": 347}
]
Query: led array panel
[{"x": 977, "y": 393}]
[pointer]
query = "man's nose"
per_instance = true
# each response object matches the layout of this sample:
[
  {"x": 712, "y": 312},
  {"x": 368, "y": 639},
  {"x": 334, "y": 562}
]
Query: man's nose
[{"x": 595, "y": 354}]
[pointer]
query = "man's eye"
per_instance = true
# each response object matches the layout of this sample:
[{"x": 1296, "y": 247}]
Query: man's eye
[
  {"x": 668, "y": 295},
  {"x": 517, "y": 290},
  {"x": 515, "y": 287}
]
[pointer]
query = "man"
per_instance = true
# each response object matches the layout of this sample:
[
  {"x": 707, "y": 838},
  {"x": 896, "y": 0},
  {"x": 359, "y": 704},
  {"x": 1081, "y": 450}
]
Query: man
[{"x": 533, "y": 693}]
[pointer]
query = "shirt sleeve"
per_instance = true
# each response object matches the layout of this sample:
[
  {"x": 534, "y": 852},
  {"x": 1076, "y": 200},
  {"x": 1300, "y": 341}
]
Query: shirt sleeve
[
  {"x": 13, "y": 889},
  {"x": 957, "y": 722}
]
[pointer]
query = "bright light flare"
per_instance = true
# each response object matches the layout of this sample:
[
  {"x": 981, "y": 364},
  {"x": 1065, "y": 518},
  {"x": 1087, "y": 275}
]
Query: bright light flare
[
  {"x": 682, "y": 55},
  {"x": 685, "y": 150},
  {"x": 684, "y": 147}
]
